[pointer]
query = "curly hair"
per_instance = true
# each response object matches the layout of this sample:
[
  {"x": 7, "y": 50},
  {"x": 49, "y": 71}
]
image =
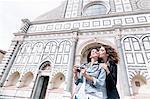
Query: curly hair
[{"x": 113, "y": 55}]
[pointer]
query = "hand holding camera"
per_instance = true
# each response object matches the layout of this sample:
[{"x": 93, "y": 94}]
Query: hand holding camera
[
  {"x": 83, "y": 71},
  {"x": 75, "y": 72},
  {"x": 79, "y": 69}
]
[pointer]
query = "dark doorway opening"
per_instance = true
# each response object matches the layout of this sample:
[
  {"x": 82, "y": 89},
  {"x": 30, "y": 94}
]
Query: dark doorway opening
[{"x": 41, "y": 88}]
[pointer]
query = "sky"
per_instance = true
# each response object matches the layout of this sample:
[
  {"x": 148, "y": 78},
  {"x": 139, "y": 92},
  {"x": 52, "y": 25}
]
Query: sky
[{"x": 12, "y": 11}]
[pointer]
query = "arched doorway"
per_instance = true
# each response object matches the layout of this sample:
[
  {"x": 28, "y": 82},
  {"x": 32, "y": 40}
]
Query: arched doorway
[
  {"x": 42, "y": 81},
  {"x": 83, "y": 48}
]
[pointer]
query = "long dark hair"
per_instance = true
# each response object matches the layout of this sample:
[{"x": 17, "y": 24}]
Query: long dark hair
[{"x": 112, "y": 54}]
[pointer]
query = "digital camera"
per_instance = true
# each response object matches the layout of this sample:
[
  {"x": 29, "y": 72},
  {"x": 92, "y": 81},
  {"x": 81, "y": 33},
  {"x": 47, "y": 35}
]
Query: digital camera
[{"x": 79, "y": 68}]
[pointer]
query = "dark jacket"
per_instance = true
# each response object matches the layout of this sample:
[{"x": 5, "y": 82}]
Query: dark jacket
[{"x": 111, "y": 81}]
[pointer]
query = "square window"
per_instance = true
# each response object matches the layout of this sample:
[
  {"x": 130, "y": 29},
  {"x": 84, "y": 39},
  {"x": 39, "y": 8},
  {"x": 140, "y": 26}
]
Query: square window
[
  {"x": 75, "y": 7},
  {"x": 127, "y": 46},
  {"x": 58, "y": 59},
  {"x": 139, "y": 58},
  {"x": 146, "y": 45},
  {"x": 129, "y": 58},
  {"x": 65, "y": 59},
  {"x": 74, "y": 14},
  {"x": 127, "y": 7},
  {"x": 148, "y": 56},
  {"x": 119, "y": 8},
  {"x": 136, "y": 46},
  {"x": 68, "y": 14},
  {"x": 69, "y": 7}
]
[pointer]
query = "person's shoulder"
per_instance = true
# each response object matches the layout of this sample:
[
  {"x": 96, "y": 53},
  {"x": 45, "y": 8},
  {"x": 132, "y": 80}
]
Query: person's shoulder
[
  {"x": 102, "y": 70},
  {"x": 100, "y": 67},
  {"x": 112, "y": 63}
]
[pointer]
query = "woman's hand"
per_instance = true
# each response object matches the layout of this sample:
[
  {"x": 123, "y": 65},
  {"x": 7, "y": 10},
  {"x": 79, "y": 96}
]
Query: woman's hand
[
  {"x": 83, "y": 71},
  {"x": 105, "y": 66},
  {"x": 75, "y": 72}
]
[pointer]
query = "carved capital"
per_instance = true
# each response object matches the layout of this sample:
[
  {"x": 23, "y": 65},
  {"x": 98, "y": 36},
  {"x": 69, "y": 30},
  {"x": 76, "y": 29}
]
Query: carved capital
[
  {"x": 75, "y": 34},
  {"x": 118, "y": 34}
]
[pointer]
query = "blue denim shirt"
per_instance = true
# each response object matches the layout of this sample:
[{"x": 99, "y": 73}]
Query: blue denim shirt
[{"x": 99, "y": 75}]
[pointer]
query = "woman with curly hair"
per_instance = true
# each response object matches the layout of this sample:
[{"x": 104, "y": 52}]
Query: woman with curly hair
[{"x": 109, "y": 60}]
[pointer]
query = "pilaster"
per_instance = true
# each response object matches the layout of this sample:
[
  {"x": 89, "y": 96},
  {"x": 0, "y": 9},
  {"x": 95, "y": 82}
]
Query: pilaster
[
  {"x": 72, "y": 59},
  {"x": 122, "y": 70}
]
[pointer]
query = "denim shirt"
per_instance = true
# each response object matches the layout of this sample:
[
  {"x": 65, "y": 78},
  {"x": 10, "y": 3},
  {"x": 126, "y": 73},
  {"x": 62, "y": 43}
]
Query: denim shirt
[{"x": 99, "y": 75}]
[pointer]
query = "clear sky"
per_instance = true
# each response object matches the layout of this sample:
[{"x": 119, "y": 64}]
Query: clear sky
[{"x": 12, "y": 11}]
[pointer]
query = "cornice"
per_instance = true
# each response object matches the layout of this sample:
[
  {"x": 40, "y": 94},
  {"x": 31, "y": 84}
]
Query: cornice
[
  {"x": 85, "y": 30},
  {"x": 90, "y": 17}
]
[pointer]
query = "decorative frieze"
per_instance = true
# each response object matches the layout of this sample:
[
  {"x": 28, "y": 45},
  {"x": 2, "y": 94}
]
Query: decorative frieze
[{"x": 91, "y": 23}]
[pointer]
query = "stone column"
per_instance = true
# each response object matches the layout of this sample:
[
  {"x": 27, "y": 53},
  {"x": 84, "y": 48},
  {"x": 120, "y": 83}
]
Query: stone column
[
  {"x": 72, "y": 60},
  {"x": 122, "y": 70}
]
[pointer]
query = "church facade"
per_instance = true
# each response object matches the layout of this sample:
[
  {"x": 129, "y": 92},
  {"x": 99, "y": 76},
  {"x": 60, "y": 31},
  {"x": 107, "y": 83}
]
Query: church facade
[{"x": 39, "y": 62}]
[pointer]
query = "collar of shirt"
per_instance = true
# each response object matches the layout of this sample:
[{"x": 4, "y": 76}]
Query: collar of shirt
[{"x": 96, "y": 62}]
